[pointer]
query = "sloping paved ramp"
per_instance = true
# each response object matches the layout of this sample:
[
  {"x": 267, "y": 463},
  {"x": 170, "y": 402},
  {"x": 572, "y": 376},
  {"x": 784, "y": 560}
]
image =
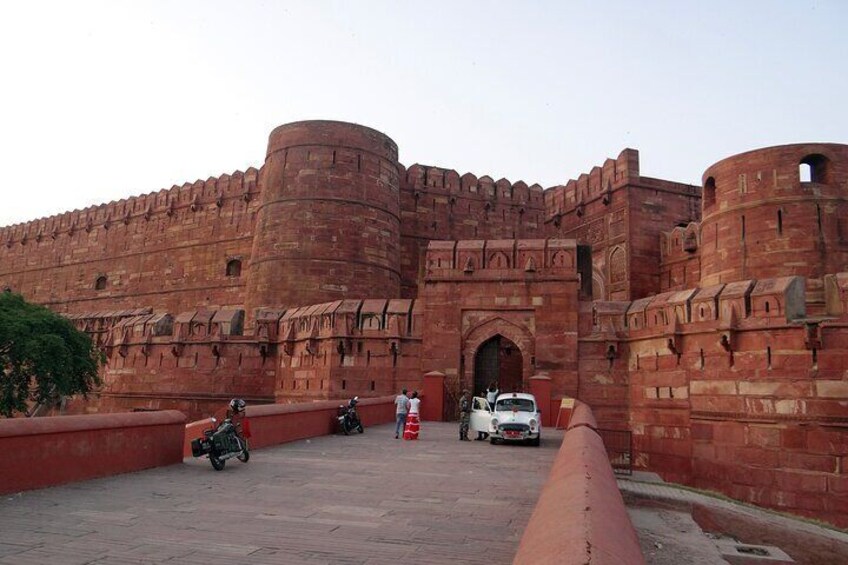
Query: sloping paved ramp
[{"x": 362, "y": 499}]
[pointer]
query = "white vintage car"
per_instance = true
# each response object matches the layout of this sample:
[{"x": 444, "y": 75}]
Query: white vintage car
[{"x": 516, "y": 418}]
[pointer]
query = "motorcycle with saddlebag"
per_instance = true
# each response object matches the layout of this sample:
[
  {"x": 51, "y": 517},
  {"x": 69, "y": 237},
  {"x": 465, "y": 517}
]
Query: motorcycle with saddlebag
[
  {"x": 227, "y": 440},
  {"x": 348, "y": 418}
]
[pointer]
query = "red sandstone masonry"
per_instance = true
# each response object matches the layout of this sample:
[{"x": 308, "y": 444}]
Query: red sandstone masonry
[
  {"x": 580, "y": 516},
  {"x": 734, "y": 353},
  {"x": 62, "y": 449},
  {"x": 166, "y": 250},
  {"x": 741, "y": 415}
]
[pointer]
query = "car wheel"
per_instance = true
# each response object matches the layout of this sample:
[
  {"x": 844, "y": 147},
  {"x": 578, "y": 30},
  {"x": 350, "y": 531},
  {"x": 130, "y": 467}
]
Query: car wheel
[
  {"x": 493, "y": 440},
  {"x": 536, "y": 441}
]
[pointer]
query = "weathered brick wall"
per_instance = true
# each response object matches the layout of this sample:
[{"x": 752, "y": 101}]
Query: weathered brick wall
[{"x": 167, "y": 250}]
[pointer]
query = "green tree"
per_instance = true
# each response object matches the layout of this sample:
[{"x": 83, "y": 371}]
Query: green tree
[{"x": 42, "y": 356}]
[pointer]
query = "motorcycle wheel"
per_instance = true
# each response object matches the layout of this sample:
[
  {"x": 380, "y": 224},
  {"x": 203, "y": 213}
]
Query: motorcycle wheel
[
  {"x": 361, "y": 429},
  {"x": 346, "y": 428},
  {"x": 217, "y": 464},
  {"x": 244, "y": 456}
]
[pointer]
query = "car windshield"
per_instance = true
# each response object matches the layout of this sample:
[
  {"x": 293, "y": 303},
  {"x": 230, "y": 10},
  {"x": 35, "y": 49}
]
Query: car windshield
[{"x": 520, "y": 404}]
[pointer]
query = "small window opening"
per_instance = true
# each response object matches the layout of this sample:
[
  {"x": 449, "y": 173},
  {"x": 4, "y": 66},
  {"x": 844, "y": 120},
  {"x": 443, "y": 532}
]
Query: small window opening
[
  {"x": 373, "y": 385},
  {"x": 234, "y": 268},
  {"x": 814, "y": 168},
  {"x": 780, "y": 222},
  {"x": 701, "y": 356},
  {"x": 100, "y": 283},
  {"x": 743, "y": 228},
  {"x": 815, "y": 357},
  {"x": 344, "y": 384},
  {"x": 768, "y": 307},
  {"x": 768, "y": 357},
  {"x": 804, "y": 172},
  {"x": 709, "y": 193},
  {"x": 819, "y": 219},
  {"x": 701, "y": 311}
]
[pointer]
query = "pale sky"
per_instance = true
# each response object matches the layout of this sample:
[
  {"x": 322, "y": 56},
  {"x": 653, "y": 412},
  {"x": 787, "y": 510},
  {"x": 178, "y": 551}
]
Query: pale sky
[{"x": 104, "y": 100}]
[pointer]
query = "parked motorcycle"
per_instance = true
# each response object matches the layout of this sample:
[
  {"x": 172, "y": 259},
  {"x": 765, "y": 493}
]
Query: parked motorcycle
[
  {"x": 348, "y": 418},
  {"x": 221, "y": 443}
]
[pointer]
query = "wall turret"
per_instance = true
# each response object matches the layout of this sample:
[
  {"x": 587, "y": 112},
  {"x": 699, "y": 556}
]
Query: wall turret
[
  {"x": 328, "y": 226},
  {"x": 775, "y": 212}
]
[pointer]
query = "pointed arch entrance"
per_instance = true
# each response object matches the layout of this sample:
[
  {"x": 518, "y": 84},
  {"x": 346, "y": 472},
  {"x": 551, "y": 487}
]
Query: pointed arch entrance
[
  {"x": 498, "y": 360},
  {"x": 498, "y": 348}
]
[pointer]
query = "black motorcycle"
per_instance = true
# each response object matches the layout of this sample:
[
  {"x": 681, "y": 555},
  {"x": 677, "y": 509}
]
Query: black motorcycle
[
  {"x": 220, "y": 444},
  {"x": 348, "y": 418}
]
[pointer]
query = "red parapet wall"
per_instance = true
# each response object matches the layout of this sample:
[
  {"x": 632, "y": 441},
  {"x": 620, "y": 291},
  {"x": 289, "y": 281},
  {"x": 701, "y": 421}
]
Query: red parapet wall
[
  {"x": 62, "y": 449},
  {"x": 274, "y": 424},
  {"x": 580, "y": 516}
]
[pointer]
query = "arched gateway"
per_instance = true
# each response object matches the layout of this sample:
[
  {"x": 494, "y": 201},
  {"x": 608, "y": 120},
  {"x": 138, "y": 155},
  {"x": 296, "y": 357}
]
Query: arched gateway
[
  {"x": 497, "y": 350},
  {"x": 498, "y": 360}
]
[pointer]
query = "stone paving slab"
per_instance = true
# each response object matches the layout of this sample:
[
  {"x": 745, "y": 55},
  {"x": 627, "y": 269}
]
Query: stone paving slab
[{"x": 358, "y": 500}]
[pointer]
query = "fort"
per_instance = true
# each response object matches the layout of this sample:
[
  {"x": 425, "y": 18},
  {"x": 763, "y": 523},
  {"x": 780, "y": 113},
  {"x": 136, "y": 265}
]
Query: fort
[{"x": 710, "y": 321}]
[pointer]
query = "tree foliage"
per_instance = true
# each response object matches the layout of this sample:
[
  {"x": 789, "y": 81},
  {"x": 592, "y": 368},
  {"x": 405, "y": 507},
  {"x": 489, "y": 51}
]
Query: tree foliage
[{"x": 42, "y": 356}]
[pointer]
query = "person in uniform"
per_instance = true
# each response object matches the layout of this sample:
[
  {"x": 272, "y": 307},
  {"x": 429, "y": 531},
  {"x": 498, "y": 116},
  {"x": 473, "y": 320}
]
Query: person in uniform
[{"x": 464, "y": 416}]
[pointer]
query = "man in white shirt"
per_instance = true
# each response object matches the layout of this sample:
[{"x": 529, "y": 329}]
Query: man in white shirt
[{"x": 401, "y": 409}]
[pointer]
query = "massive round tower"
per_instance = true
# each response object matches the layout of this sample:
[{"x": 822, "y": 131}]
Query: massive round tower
[
  {"x": 776, "y": 212},
  {"x": 328, "y": 225}
]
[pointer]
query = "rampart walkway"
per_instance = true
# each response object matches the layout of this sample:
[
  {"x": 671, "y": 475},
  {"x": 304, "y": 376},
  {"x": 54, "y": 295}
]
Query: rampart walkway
[{"x": 366, "y": 499}]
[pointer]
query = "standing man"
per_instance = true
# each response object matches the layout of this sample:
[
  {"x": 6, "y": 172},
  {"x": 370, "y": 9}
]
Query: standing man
[
  {"x": 401, "y": 409},
  {"x": 464, "y": 416}
]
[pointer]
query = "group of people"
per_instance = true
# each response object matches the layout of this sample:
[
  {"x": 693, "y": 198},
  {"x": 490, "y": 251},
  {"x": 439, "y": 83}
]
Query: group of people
[
  {"x": 406, "y": 411},
  {"x": 408, "y": 421}
]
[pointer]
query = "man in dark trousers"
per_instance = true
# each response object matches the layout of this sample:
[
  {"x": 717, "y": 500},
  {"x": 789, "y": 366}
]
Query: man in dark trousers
[
  {"x": 401, "y": 409},
  {"x": 464, "y": 416}
]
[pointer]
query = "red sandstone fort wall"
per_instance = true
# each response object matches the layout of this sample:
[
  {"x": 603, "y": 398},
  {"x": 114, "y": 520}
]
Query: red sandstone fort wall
[
  {"x": 166, "y": 250},
  {"x": 523, "y": 290},
  {"x": 733, "y": 389},
  {"x": 438, "y": 204},
  {"x": 621, "y": 215},
  {"x": 328, "y": 226},
  {"x": 760, "y": 220},
  {"x": 197, "y": 360}
]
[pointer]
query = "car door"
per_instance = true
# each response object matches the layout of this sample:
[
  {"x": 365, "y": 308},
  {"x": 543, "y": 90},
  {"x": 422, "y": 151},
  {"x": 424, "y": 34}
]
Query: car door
[{"x": 480, "y": 415}]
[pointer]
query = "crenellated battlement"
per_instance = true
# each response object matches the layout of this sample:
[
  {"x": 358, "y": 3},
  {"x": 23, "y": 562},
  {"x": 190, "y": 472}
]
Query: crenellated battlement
[
  {"x": 344, "y": 319},
  {"x": 214, "y": 191},
  {"x": 424, "y": 178},
  {"x": 596, "y": 184},
  {"x": 749, "y": 304}
]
